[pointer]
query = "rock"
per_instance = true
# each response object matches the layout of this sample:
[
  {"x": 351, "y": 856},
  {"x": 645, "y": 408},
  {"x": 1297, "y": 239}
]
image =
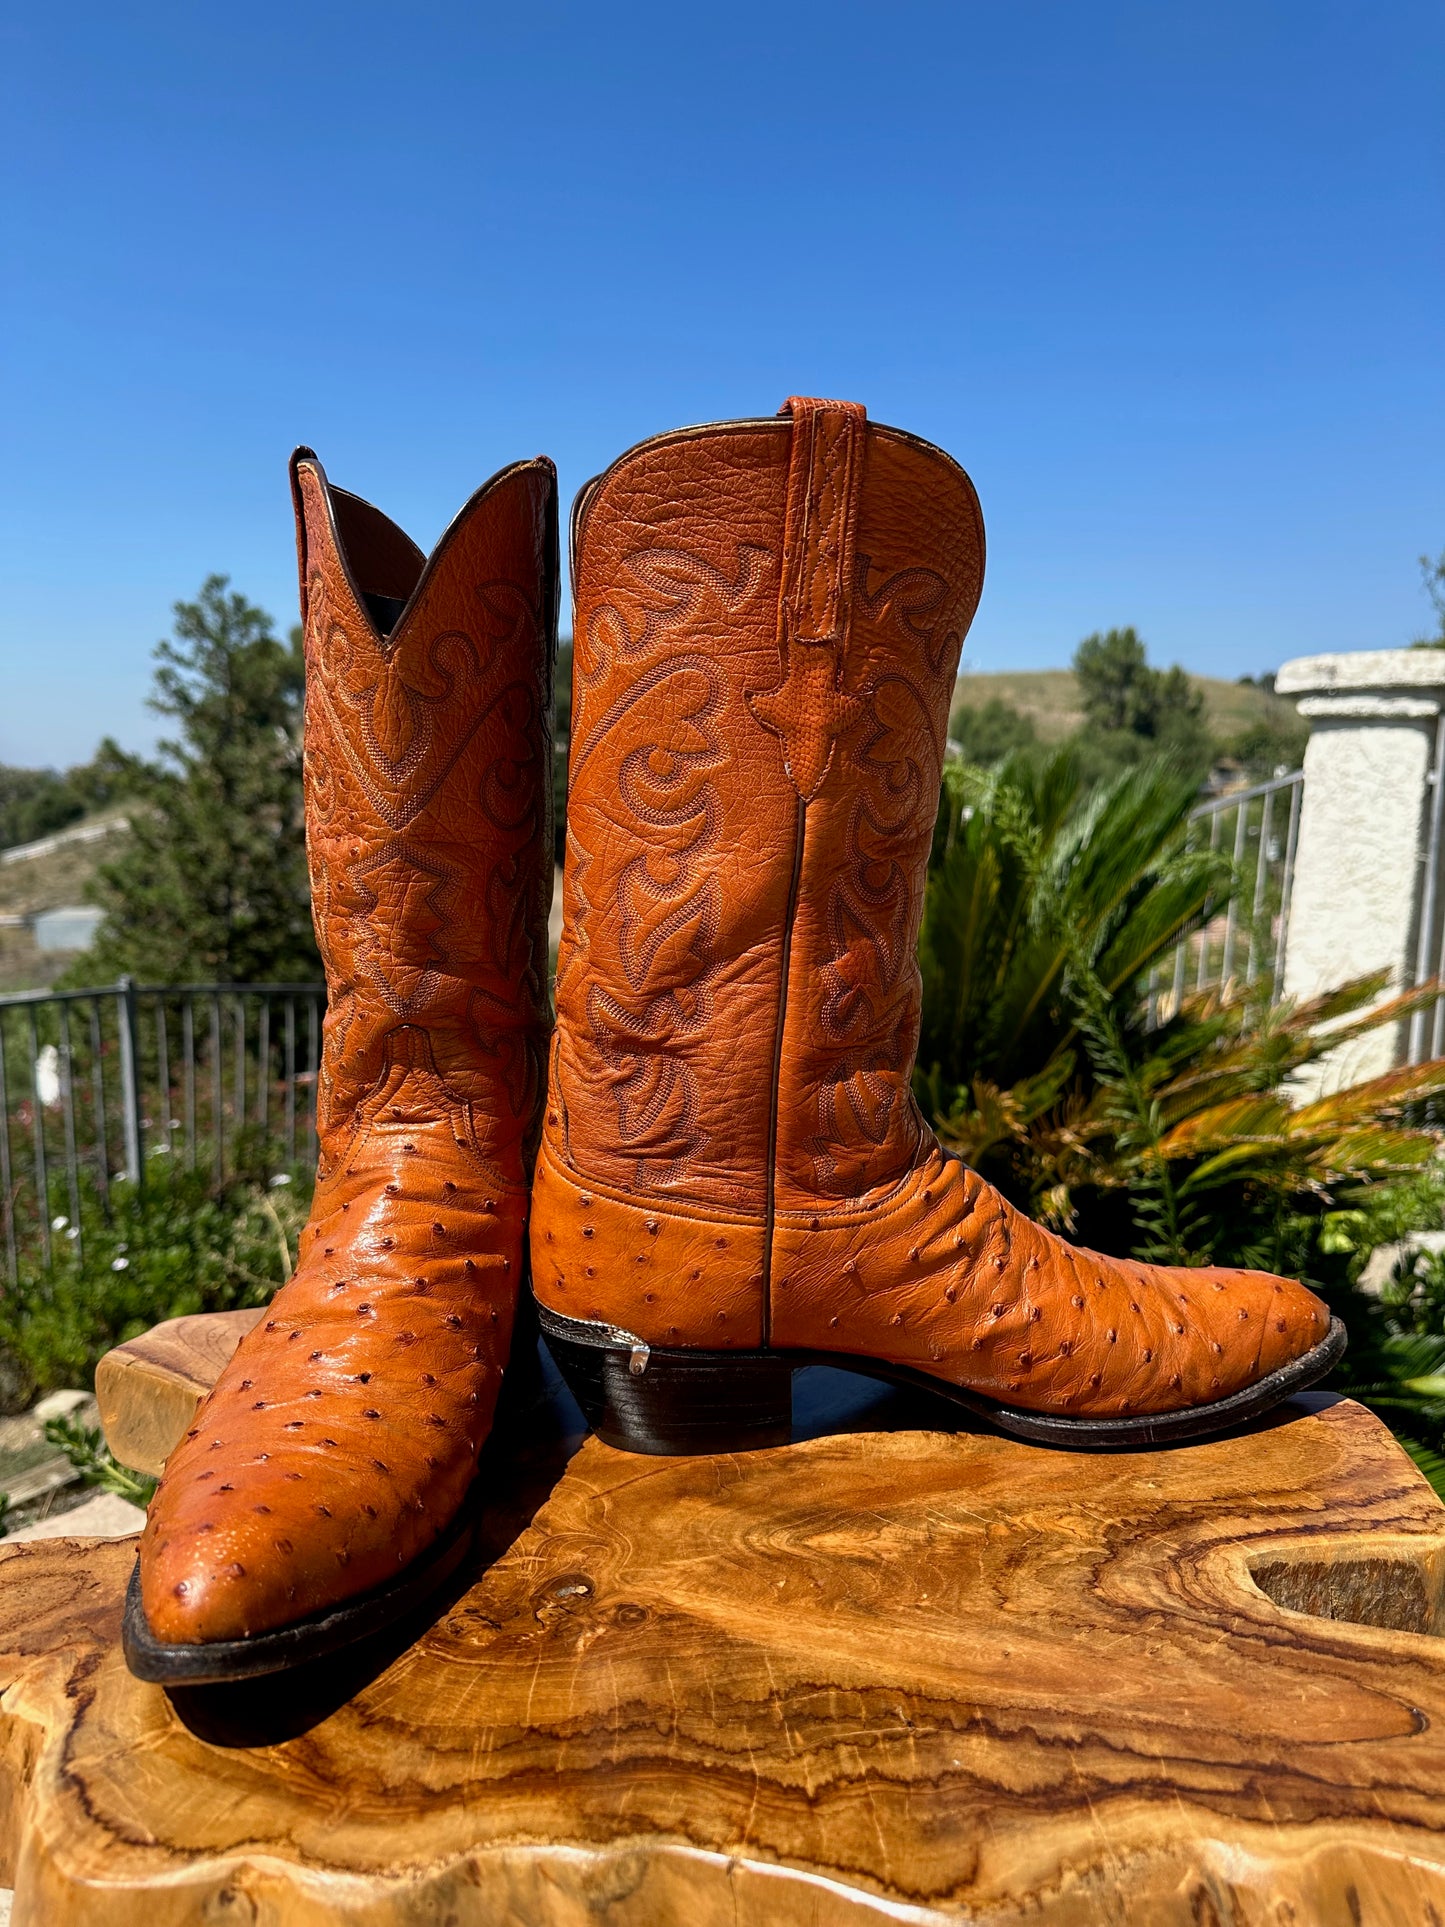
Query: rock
[
  {"x": 1383, "y": 1259},
  {"x": 59, "y": 1405},
  {"x": 106, "y": 1516}
]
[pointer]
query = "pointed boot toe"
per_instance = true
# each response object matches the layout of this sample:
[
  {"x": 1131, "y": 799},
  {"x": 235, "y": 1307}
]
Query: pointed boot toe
[
  {"x": 291, "y": 1535},
  {"x": 340, "y": 1441},
  {"x": 1252, "y": 1322},
  {"x": 734, "y": 1178},
  {"x": 950, "y": 1280},
  {"x": 323, "y": 1490}
]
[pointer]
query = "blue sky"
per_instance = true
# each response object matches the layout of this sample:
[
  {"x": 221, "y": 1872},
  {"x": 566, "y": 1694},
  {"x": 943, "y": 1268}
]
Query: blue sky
[{"x": 1168, "y": 280}]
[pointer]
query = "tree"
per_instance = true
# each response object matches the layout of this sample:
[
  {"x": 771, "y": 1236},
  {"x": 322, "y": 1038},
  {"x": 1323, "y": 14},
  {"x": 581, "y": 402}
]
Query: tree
[
  {"x": 1432, "y": 576},
  {"x": 1115, "y": 682},
  {"x": 1274, "y": 743},
  {"x": 992, "y": 730},
  {"x": 212, "y": 884},
  {"x": 1135, "y": 707},
  {"x": 35, "y": 802},
  {"x": 108, "y": 778}
]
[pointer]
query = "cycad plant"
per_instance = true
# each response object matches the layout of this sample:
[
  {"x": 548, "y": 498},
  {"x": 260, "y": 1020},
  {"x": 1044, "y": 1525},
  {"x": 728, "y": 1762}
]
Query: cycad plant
[
  {"x": 1187, "y": 1140},
  {"x": 1047, "y": 903},
  {"x": 1396, "y": 1362}
]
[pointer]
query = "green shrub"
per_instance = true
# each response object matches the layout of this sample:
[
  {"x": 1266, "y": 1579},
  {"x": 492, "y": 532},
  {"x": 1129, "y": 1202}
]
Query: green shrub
[
  {"x": 1396, "y": 1360},
  {"x": 987, "y": 734},
  {"x": 85, "y": 1447},
  {"x": 1047, "y": 904},
  {"x": 177, "y": 1244},
  {"x": 1186, "y": 1141}
]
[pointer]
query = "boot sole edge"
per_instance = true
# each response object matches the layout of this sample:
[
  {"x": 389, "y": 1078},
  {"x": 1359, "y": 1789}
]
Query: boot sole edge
[
  {"x": 210, "y": 1662},
  {"x": 685, "y": 1410},
  {"x": 334, "y": 1628}
]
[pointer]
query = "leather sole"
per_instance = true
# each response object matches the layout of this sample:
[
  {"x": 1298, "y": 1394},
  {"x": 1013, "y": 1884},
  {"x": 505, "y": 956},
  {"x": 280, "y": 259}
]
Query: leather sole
[
  {"x": 641, "y": 1398},
  {"x": 210, "y": 1662}
]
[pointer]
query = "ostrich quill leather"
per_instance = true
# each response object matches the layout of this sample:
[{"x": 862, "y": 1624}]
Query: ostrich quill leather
[
  {"x": 342, "y": 1438},
  {"x": 769, "y": 616}
]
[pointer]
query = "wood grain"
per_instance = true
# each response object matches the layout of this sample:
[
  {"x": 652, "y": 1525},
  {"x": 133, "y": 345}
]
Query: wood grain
[
  {"x": 899, "y": 1673},
  {"x": 148, "y": 1389}
]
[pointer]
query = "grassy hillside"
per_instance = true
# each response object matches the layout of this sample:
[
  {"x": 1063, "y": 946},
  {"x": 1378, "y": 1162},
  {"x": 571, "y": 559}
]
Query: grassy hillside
[
  {"x": 49, "y": 881},
  {"x": 1050, "y": 700}
]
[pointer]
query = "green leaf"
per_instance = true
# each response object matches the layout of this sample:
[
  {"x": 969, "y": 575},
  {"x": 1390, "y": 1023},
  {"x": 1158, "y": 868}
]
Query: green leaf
[
  {"x": 1430, "y": 1462},
  {"x": 1049, "y": 903},
  {"x": 88, "y": 1452}
]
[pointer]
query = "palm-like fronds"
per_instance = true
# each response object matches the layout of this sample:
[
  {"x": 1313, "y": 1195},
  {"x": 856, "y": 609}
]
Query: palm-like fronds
[
  {"x": 1196, "y": 1139},
  {"x": 1233, "y": 1111},
  {"x": 1047, "y": 906},
  {"x": 1032, "y": 870}
]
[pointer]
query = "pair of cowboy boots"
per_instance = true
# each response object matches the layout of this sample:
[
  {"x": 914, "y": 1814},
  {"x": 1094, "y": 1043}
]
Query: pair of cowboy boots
[{"x": 732, "y": 1177}]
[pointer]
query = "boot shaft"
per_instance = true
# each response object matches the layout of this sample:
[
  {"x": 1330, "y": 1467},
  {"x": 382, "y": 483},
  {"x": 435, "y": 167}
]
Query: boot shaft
[
  {"x": 428, "y": 808},
  {"x": 768, "y": 621},
  {"x": 734, "y": 1179}
]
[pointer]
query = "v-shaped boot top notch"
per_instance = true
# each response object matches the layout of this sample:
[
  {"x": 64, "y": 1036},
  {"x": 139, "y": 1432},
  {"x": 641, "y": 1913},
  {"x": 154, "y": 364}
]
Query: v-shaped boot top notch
[{"x": 384, "y": 566}]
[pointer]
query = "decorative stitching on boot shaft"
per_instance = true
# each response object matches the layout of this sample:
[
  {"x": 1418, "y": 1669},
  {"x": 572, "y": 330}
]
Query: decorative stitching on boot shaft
[{"x": 339, "y": 1442}]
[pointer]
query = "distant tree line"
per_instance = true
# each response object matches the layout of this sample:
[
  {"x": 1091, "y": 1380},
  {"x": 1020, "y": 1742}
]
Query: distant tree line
[
  {"x": 36, "y": 802},
  {"x": 211, "y": 883},
  {"x": 1133, "y": 710}
]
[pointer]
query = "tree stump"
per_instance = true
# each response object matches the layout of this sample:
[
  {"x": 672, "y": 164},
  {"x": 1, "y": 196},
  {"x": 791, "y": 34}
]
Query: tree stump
[
  {"x": 148, "y": 1390},
  {"x": 895, "y": 1672}
]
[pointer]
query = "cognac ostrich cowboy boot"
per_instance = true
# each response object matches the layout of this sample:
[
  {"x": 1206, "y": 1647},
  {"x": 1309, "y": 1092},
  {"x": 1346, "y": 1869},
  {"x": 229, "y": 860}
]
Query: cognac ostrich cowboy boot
[
  {"x": 321, "y": 1491},
  {"x": 734, "y": 1178}
]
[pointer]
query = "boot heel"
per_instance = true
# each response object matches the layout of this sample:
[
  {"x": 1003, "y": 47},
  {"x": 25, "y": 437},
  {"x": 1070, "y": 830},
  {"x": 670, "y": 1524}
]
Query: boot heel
[{"x": 670, "y": 1402}]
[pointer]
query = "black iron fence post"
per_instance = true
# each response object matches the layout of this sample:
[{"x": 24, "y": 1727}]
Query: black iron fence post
[
  {"x": 78, "y": 1090},
  {"x": 130, "y": 1107}
]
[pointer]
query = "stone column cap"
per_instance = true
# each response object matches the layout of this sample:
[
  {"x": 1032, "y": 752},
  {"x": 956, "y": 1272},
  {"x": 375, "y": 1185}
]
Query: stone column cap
[{"x": 1352, "y": 671}]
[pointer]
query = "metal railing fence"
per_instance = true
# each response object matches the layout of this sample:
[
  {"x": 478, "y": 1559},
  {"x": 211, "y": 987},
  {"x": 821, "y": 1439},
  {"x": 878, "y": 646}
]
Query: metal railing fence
[
  {"x": 95, "y": 1082},
  {"x": 1258, "y": 829},
  {"x": 1427, "y": 1026}
]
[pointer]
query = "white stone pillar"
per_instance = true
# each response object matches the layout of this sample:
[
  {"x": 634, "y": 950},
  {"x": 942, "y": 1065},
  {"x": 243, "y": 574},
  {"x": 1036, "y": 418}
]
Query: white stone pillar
[{"x": 1364, "y": 832}]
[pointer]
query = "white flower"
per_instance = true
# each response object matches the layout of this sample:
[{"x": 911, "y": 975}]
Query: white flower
[
  {"x": 281, "y": 1177},
  {"x": 59, "y": 1224},
  {"x": 74, "y": 1231},
  {"x": 122, "y": 1247},
  {"x": 120, "y": 1264}
]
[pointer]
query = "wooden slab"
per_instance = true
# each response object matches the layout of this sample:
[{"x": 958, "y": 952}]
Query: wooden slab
[
  {"x": 900, "y": 1674},
  {"x": 148, "y": 1390}
]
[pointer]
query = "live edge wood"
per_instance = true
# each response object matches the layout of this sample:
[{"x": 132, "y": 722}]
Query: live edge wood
[
  {"x": 898, "y": 1673},
  {"x": 148, "y": 1390}
]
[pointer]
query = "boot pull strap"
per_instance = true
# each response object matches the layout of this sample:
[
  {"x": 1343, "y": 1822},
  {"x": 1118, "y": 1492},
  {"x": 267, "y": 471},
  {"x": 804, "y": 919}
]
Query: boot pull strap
[
  {"x": 824, "y": 470},
  {"x": 808, "y": 708}
]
